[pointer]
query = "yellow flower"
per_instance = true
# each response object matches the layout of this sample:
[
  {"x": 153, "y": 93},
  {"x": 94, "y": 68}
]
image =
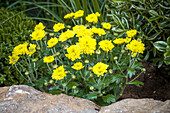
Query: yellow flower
[
  {"x": 118, "y": 41},
  {"x": 97, "y": 13},
  {"x": 77, "y": 66},
  {"x": 70, "y": 15},
  {"x": 131, "y": 33},
  {"x": 81, "y": 31},
  {"x": 52, "y": 42},
  {"x": 127, "y": 40},
  {"x": 78, "y": 14},
  {"x": 40, "y": 26},
  {"x": 59, "y": 73},
  {"x": 98, "y": 31},
  {"x": 92, "y": 18},
  {"x": 38, "y": 35},
  {"x": 58, "y": 27},
  {"x": 66, "y": 35},
  {"x": 106, "y": 25},
  {"x": 100, "y": 68},
  {"x": 87, "y": 44},
  {"x": 48, "y": 59},
  {"x": 31, "y": 49},
  {"x": 74, "y": 52},
  {"x": 136, "y": 47},
  {"x": 106, "y": 45},
  {"x": 21, "y": 49},
  {"x": 13, "y": 59}
]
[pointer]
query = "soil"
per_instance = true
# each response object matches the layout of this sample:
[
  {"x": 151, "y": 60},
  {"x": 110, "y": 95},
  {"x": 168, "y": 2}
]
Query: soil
[{"x": 156, "y": 84}]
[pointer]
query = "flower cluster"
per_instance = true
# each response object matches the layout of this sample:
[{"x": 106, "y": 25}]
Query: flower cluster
[
  {"x": 21, "y": 49},
  {"x": 136, "y": 47},
  {"x": 59, "y": 73},
  {"x": 106, "y": 45},
  {"x": 93, "y": 17},
  {"x": 39, "y": 32},
  {"x": 75, "y": 15}
]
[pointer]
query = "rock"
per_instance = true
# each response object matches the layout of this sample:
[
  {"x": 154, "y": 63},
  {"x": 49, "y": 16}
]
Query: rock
[
  {"x": 25, "y": 99},
  {"x": 137, "y": 106}
]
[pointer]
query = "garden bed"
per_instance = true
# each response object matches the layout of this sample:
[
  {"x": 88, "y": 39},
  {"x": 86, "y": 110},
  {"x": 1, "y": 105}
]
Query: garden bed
[{"x": 156, "y": 84}]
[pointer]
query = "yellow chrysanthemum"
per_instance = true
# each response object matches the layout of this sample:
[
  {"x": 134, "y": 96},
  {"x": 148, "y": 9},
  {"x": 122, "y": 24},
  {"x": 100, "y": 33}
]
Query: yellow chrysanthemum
[
  {"x": 74, "y": 52},
  {"x": 31, "y": 49},
  {"x": 77, "y": 66},
  {"x": 131, "y": 33},
  {"x": 21, "y": 49},
  {"x": 119, "y": 41},
  {"x": 136, "y": 47},
  {"x": 87, "y": 44},
  {"x": 48, "y": 59},
  {"x": 66, "y": 35},
  {"x": 98, "y": 31},
  {"x": 52, "y": 42},
  {"x": 106, "y": 25},
  {"x": 106, "y": 45},
  {"x": 78, "y": 14},
  {"x": 59, "y": 26},
  {"x": 127, "y": 40},
  {"x": 100, "y": 68},
  {"x": 38, "y": 35},
  {"x": 13, "y": 59},
  {"x": 93, "y": 17},
  {"x": 59, "y": 73},
  {"x": 70, "y": 15},
  {"x": 40, "y": 26}
]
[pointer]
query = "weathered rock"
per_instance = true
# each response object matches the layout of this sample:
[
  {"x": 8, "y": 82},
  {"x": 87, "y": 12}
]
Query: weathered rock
[
  {"x": 137, "y": 106},
  {"x": 25, "y": 99}
]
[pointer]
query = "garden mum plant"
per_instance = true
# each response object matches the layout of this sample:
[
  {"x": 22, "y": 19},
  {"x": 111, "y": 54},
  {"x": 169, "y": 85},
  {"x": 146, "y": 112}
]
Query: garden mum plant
[{"x": 83, "y": 61}]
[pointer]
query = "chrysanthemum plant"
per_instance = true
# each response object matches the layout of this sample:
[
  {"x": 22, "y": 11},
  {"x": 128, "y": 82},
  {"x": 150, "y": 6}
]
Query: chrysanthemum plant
[{"x": 84, "y": 60}]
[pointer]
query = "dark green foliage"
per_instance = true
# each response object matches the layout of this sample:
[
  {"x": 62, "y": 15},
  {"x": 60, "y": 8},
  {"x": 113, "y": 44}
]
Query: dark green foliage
[
  {"x": 14, "y": 29},
  {"x": 150, "y": 17}
]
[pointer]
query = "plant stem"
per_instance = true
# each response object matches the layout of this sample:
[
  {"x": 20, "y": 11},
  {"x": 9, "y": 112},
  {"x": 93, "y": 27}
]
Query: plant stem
[
  {"x": 20, "y": 72},
  {"x": 49, "y": 67}
]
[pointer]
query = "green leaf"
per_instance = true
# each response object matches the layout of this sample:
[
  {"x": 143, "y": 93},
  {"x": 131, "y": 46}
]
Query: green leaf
[
  {"x": 160, "y": 45},
  {"x": 137, "y": 83},
  {"x": 53, "y": 90},
  {"x": 92, "y": 95},
  {"x": 131, "y": 72},
  {"x": 153, "y": 13},
  {"x": 109, "y": 98},
  {"x": 154, "y": 36},
  {"x": 147, "y": 56}
]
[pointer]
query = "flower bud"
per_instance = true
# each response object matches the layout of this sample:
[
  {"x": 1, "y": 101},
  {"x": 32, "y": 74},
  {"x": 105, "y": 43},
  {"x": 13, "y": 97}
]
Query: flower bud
[
  {"x": 126, "y": 48},
  {"x": 51, "y": 34},
  {"x": 38, "y": 48},
  {"x": 66, "y": 46},
  {"x": 26, "y": 73},
  {"x": 74, "y": 87},
  {"x": 34, "y": 59},
  {"x": 98, "y": 52},
  {"x": 55, "y": 66},
  {"x": 51, "y": 81},
  {"x": 103, "y": 92},
  {"x": 92, "y": 88},
  {"x": 143, "y": 69},
  {"x": 86, "y": 61},
  {"x": 68, "y": 26},
  {"x": 110, "y": 71},
  {"x": 115, "y": 34},
  {"x": 46, "y": 33},
  {"x": 73, "y": 76},
  {"x": 45, "y": 83},
  {"x": 90, "y": 68},
  {"x": 122, "y": 51},
  {"x": 91, "y": 75},
  {"x": 58, "y": 53},
  {"x": 115, "y": 58}
]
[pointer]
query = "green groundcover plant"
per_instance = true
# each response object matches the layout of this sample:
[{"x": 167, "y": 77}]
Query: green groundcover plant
[{"x": 85, "y": 61}]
